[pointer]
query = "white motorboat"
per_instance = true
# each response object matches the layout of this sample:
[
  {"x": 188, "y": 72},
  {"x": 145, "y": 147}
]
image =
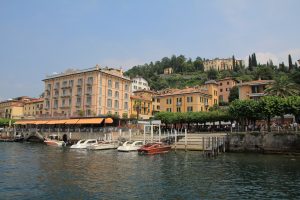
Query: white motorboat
[
  {"x": 131, "y": 146},
  {"x": 83, "y": 144},
  {"x": 53, "y": 140},
  {"x": 104, "y": 145}
]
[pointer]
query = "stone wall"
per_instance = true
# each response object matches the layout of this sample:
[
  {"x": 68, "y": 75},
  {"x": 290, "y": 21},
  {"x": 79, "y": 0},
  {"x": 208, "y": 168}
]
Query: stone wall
[{"x": 264, "y": 142}]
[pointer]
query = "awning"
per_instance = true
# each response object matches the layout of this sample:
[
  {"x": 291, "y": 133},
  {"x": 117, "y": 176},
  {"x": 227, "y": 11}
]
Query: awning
[
  {"x": 109, "y": 120},
  {"x": 71, "y": 121},
  {"x": 25, "y": 122},
  {"x": 41, "y": 122},
  {"x": 90, "y": 121},
  {"x": 57, "y": 122}
]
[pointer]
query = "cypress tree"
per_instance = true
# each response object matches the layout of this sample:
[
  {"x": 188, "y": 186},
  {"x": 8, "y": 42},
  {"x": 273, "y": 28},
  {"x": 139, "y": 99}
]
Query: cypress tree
[
  {"x": 254, "y": 62},
  {"x": 250, "y": 64},
  {"x": 290, "y": 63}
]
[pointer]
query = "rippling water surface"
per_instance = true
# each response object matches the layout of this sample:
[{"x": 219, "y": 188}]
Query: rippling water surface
[{"x": 34, "y": 171}]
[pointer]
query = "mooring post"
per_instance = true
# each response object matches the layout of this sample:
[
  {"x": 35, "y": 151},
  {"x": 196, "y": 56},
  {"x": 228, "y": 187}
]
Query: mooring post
[
  {"x": 185, "y": 136},
  {"x": 224, "y": 145},
  {"x": 203, "y": 148},
  {"x": 175, "y": 133},
  {"x": 129, "y": 134}
]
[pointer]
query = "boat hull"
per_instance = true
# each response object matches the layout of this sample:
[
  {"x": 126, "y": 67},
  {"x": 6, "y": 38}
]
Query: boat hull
[
  {"x": 154, "y": 149},
  {"x": 54, "y": 143}
]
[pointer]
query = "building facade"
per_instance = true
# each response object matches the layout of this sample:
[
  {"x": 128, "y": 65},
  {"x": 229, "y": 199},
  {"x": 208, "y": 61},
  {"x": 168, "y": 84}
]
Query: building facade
[
  {"x": 33, "y": 108},
  {"x": 142, "y": 104},
  {"x": 221, "y": 64},
  {"x": 89, "y": 92},
  {"x": 13, "y": 108},
  {"x": 253, "y": 89},
  {"x": 195, "y": 99},
  {"x": 139, "y": 83},
  {"x": 168, "y": 70},
  {"x": 225, "y": 86}
]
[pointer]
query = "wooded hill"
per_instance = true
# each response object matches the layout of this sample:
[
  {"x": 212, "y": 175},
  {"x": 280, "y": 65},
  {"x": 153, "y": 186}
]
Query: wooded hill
[{"x": 188, "y": 72}]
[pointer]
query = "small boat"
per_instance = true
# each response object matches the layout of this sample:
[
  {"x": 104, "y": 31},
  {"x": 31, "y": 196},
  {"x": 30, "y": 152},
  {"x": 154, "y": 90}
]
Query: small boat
[
  {"x": 104, "y": 145},
  {"x": 154, "y": 148},
  {"x": 131, "y": 146},
  {"x": 83, "y": 144},
  {"x": 53, "y": 140}
]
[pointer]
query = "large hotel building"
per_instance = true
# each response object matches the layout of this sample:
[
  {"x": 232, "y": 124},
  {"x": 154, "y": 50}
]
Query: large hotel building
[{"x": 90, "y": 92}]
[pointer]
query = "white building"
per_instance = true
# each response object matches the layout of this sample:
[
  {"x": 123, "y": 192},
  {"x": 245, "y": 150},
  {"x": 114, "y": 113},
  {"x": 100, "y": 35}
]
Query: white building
[{"x": 139, "y": 83}]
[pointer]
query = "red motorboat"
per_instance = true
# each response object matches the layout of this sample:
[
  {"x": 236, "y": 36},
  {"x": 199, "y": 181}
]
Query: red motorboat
[{"x": 154, "y": 148}]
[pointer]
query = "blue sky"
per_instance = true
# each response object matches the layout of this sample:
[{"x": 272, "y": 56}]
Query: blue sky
[{"x": 39, "y": 37}]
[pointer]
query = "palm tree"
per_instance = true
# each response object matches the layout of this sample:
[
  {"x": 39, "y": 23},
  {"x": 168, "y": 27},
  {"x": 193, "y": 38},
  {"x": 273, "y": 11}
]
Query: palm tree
[{"x": 282, "y": 87}]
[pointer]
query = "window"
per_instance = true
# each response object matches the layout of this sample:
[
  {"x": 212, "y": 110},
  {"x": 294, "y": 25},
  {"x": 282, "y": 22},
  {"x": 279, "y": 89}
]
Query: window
[
  {"x": 71, "y": 83},
  {"x": 190, "y": 108},
  {"x": 221, "y": 84},
  {"x": 79, "y": 91},
  {"x": 221, "y": 90},
  {"x": 56, "y": 85},
  {"x": 89, "y": 90},
  {"x": 55, "y": 104},
  {"x": 169, "y": 109},
  {"x": 109, "y": 93},
  {"x": 79, "y": 82},
  {"x": 227, "y": 82},
  {"x": 169, "y": 101},
  {"x": 116, "y": 94},
  {"x": 135, "y": 87},
  {"x": 178, "y": 109},
  {"x": 126, "y": 105},
  {"x": 126, "y": 96},
  {"x": 65, "y": 83},
  {"x": 63, "y": 102},
  {"x": 90, "y": 80},
  {"x": 126, "y": 87},
  {"x": 116, "y": 104},
  {"x": 189, "y": 99},
  {"x": 117, "y": 85},
  {"x": 47, "y": 104},
  {"x": 109, "y": 102},
  {"x": 89, "y": 100},
  {"x": 78, "y": 101},
  {"x": 109, "y": 83}
]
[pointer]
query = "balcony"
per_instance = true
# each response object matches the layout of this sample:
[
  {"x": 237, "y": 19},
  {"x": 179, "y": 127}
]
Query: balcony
[
  {"x": 178, "y": 103},
  {"x": 88, "y": 93},
  {"x": 79, "y": 94},
  {"x": 64, "y": 106},
  {"x": 89, "y": 83},
  {"x": 79, "y": 84},
  {"x": 65, "y": 86},
  {"x": 78, "y": 104},
  {"x": 65, "y": 95}
]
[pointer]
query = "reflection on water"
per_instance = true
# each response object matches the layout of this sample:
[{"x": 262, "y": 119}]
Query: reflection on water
[{"x": 30, "y": 171}]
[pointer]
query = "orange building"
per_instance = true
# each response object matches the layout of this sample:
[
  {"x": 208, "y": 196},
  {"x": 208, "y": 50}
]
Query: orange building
[
  {"x": 33, "y": 108},
  {"x": 253, "y": 89},
  {"x": 225, "y": 86},
  {"x": 194, "y": 99},
  {"x": 89, "y": 92},
  {"x": 142, "y": 104}
]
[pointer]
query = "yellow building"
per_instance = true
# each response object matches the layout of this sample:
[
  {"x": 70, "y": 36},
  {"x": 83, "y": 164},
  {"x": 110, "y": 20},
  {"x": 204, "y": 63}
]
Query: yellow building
[
  {"x": 142, "y": 104},
  {"x": 33, "y": 108},
  {"x": 225, "y": 86},
  {"x": 194, "y": 99},
  {"x": 253, "y": 89},
  {"x": 89, "y": 92},
  {"x": 221, "y": 64},
  {"x": 168, "y": 70},
  {"x": 13, "y": 108}
]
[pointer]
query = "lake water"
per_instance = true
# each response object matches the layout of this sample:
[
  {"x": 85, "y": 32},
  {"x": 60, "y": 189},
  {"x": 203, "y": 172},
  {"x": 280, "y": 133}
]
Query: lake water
[{"x": 35, "y": 171}]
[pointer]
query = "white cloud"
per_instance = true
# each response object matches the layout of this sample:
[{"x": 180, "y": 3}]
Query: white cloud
[{"x": 276, "y": 57}]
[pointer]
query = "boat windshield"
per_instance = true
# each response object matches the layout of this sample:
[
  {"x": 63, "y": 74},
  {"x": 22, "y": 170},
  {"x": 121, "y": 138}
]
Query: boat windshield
[
  {"x": 129, "y": 142},
  {"x": 82, "y": 141}
]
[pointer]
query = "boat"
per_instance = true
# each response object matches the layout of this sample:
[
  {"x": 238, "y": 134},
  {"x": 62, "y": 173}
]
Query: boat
[
  {"x": 103, "y": 145},
  {"x": 154, "y": 148},
  {"x": 131, "y": 146},
  {"x": 53, "y": 140},
  {"x": 83, "y": 144}
]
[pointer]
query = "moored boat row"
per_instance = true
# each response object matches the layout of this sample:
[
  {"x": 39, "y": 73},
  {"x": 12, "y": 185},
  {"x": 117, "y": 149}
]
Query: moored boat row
[{"x": 94, "y": 144}]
